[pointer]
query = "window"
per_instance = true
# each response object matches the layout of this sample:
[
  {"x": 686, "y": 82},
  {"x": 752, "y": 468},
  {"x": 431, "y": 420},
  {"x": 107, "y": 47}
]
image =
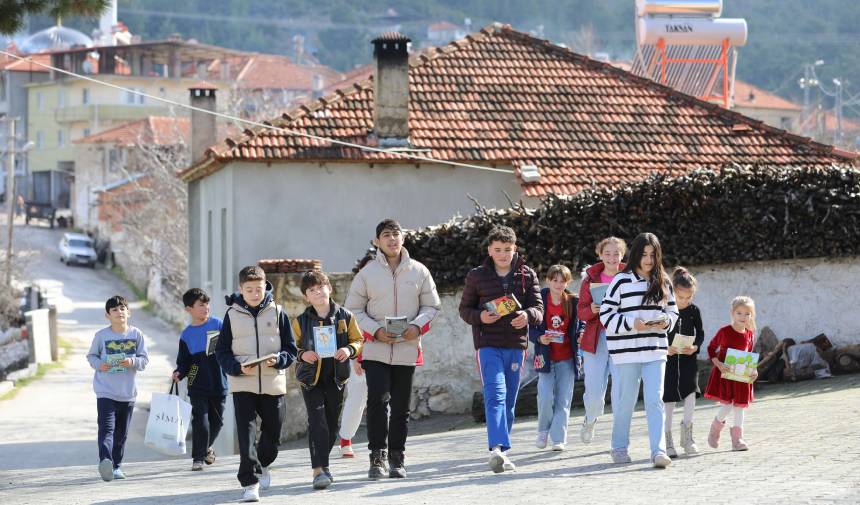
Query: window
[
  {"x": 40, "y": 140},
  {"x": 61, "y": 98},
  {"x": 85, "y": 96},
  {"x": 40, "y": 101},
  {"x": 61, "y": 138},
  {"x": 785, "y": 123},
  {"x": 116, "y": 159},
  {"x": 209, "y": 232},
  {"x": 224, "y": 250},
  {"x": 86, "y": 132},
  {"x": 131, "y": 96},
  {"x": 3, "y": 87}
]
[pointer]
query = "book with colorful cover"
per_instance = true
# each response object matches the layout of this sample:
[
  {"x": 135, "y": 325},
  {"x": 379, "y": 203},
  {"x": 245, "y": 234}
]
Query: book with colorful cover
[
  {"x": 325, "y": 341},
  {"x": 740, "y": 365},
  {"x": 555, "y": 336},
  {"x": 503, "y": 305},
  {"x": 680, "y": 342},
  {"x": 598, "y": 291},
  {"x": 113, "y": 359},
  {"x": 118, "y": 350}
]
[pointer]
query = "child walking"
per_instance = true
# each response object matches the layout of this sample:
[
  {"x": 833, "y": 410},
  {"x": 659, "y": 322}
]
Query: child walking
[
  {"x": 555, "y": 361},
  {"x": 734, "y": 396},
  {"x": 322, "y": 375},
  {"x": 117, "y": 353},
  {"x": 682, "y": 370}
]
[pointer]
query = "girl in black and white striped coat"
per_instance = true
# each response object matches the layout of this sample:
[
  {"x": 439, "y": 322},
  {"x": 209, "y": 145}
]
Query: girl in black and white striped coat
[{"x": 637, "y": 312}]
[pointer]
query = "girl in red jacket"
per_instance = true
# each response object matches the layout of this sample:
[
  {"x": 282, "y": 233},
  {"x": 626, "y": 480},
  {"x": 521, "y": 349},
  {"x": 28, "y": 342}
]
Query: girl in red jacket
[
  {"x": 596, "y": 364},
  {"x": 733, "y": 396}
]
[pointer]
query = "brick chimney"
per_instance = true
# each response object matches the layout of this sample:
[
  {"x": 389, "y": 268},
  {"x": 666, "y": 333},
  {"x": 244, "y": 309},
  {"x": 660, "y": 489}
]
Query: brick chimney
[
  {"x": 203, "y": 129},
  {"x": 391, "y": 88}
]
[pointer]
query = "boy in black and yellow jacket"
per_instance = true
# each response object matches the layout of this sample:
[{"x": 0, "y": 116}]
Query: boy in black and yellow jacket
[{"x": 327, "y": 337}]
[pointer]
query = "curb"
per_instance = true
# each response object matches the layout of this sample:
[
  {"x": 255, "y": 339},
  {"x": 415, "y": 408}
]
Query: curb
[
  {"x": 6, "y": 386},
  {"x": 22, "y": 373}
]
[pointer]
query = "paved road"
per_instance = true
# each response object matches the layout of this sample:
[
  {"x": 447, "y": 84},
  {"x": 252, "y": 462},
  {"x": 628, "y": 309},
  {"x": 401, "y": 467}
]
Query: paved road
[{"x": 804, "y": 443}]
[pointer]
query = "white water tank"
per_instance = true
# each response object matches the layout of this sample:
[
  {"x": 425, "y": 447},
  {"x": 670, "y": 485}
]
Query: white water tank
[
  {"x": 695, "y": 31},
  {"x": 690, "y": 7}
]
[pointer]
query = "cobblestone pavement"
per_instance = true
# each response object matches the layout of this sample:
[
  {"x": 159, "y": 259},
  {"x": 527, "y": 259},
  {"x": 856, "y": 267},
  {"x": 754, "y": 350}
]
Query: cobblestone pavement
[{"x": 803, "y": 438}]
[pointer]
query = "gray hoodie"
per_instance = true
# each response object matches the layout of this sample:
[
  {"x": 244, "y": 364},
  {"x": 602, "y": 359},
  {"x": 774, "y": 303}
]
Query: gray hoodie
[{"x": 117, "y": 383}]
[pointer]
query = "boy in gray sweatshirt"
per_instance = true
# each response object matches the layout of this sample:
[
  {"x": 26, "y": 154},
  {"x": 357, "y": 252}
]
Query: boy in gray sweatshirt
[{"x": 117, "y": 353}]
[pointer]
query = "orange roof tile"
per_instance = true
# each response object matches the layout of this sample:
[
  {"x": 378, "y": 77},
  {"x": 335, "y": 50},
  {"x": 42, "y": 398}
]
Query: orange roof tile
[
  {"x": 747, "y": 95},
  {"x": 503, "y": 97},
  {"x": 268, "y": 71},
  {"x": 16, "y": 65},
  {"x": 150, "y": 130}
]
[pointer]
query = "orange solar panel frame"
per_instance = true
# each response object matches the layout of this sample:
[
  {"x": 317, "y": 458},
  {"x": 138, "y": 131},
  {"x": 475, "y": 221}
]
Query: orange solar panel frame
[{"x": 721, "y": 63}]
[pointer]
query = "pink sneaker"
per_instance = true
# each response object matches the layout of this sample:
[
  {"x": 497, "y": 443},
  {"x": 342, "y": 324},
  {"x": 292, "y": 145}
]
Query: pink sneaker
[
  {"x": 714, "y": 433},
  {"x": 738, "y": 444}
]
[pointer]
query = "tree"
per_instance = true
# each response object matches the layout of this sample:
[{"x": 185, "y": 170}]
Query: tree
[{"x": 12, "y": 12}]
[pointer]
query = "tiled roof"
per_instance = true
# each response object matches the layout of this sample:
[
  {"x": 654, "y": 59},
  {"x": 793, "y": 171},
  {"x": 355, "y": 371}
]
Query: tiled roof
[
  {"x": 16, "y": 65},
  {"x": 159, "y": 130},
  {"x": 749, "y": 96},
  {"x": 289, "y": 266},
  {"x": 502, "y": 97},
  {"x": 268, "y": 71}
]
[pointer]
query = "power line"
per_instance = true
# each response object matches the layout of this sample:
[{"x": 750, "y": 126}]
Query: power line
[{"x": 401, "y": 154}]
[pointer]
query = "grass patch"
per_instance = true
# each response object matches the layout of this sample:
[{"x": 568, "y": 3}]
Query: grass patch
[
  {"x": 138, "y": 293},
  {"x": 43, "y": 368}
]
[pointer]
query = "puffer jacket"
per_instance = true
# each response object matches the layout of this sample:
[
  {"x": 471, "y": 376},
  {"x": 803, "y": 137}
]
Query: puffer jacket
[
  {"x": 583, "y": 308},
  {"x": 347, "y": 333},
  {"x": 248, "y": 333},
  {"x": 377, "y": 292}
]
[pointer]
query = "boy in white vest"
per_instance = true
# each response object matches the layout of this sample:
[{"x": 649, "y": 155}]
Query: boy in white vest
[{"x": 255, "y": 327}]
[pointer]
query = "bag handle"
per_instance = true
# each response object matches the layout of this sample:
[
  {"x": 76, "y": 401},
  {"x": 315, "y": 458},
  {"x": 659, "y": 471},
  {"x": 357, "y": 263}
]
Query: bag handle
[{"x": 173, "y": 386}]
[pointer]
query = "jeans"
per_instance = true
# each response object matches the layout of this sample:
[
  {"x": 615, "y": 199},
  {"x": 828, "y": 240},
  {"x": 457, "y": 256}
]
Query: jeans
[
  {"x": 353, "y": 407},
  {"x": 207, "y": 418},
  {"x": 253, "y": 457},
  {"x": 554, "y": 394},
  {"x": 114, "y": 420},
  {"x": 500, "y": 374},
  {"x": 323, "y": 402},
  {"x": 626, "y": 376},
  {"x": 389, "y": 390},
  {"x": 596, "y": 370}
]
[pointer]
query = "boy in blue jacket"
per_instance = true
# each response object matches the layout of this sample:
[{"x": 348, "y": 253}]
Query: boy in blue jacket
[{"x": 207, "y": 383}]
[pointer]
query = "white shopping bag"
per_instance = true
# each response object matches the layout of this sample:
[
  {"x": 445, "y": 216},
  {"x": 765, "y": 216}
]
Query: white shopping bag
[{"x": 169, "y": 418}]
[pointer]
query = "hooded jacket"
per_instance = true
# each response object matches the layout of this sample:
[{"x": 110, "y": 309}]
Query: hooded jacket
[
  {"x": 347, "y": 333},
  {"x": 377, "y": 292},
  {"x": 593, "y": 327},
  {"x": 483, "y": 285},
  {"x": 248, "y": 333}
]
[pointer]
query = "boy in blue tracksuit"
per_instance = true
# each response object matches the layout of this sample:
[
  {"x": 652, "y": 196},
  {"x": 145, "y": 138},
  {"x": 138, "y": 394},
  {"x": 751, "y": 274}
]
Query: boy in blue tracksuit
[{"x": 207, "y": 383}]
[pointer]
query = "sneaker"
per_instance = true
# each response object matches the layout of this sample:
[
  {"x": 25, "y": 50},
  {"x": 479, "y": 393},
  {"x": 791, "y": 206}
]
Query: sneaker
[
  {"x": 670, "y": 445},
  {"x": 251, "y": 493},
  {"x": 661, "y": 460},
  {"x": 322, "y": 481},
  {"x": 265, "y": 479},
  {"x": 197, "y": 466},
  {"x": 106, "y": 470},
  {"x": 620, "y": 456},
  {"x": 117, "y": 474},
  {"x": 558, "y": 447},
  {"x": 210, "y": 456},
  {"x": 377, "y": 465},
  {"x": 687, "y": 442},
  {"x": 586, "y": 433},
  {"x": 346, "y": 449},
  {"x": 397, "y": 470},
  {"x": 328, "y": 472},
  {"x": 497, "y": 460},
  {"x": 540, "y": 441},
  {"x": 508, "y": 465}
]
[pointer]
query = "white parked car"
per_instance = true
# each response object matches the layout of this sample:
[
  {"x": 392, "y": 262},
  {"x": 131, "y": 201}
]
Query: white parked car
[{"x": 77, "y": 248}]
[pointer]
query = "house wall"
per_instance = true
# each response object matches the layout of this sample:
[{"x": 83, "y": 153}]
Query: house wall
[{"x": 772, "y": 117}]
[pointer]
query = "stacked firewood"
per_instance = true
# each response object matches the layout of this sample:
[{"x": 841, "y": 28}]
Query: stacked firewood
[{"x": 703, "y": 217}]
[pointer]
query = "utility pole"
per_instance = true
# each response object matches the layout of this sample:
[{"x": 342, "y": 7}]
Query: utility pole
[
  {"x": 837, "y": 139},
  {"x": 10, "y": 197}
]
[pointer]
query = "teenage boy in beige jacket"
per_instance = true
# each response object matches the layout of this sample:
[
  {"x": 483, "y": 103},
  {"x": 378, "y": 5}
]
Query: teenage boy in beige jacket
[{"x": 391, "y": 285}]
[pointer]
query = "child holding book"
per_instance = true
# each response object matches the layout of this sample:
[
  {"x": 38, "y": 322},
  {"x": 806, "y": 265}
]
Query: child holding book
[
  {"x": 682, "y": 370},
  {"x": 555, "y": 361},
  {"x": 734, "y": 396},
  {"x": 327, "y": 337},
  {"x": 596, "y": 364}
]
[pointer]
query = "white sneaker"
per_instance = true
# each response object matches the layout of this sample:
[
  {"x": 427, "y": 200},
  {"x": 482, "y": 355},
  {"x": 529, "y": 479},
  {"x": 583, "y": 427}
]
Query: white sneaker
[
  {"x": 558, "y": 447},
  {"x": 540, "y": 441},
  {"x": 106, "y": 469},
  {"x": 661, "y": 460},
  {"x": 508, "y": 465},
  {"x": 265, "y": 479},
  {"x": 497, "y": 460},
  {"x": 586, "y": 433},
  {"x": 252, "y": 493}
]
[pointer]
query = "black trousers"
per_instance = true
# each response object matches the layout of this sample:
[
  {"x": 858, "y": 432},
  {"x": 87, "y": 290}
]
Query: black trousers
[
  {"x": 253, "y": 455},
  {"x": 324, "y": 403},
  {"x": 114, "y": 420},
  {"x": 207, "y": 418},
  {"x": 388, "y": 386}
]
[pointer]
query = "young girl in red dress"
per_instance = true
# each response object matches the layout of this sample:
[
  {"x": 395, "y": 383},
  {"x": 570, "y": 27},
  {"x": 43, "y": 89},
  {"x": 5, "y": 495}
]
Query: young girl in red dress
[{"x": 733, "y": 396}]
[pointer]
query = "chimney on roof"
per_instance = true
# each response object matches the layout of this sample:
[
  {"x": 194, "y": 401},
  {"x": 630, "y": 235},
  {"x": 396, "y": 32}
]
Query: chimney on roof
[
  {"x": 391, "y": 88},
  {"x": 203, "y": 129}
]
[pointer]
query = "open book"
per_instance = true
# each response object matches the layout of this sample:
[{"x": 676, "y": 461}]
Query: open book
[
  {"x": 211, "y": 341},
  {"x": 396, "y": 325},
  {"x": 661, "y": 319},
  {"x": 682, "y": 341},
  {"x": 260, "y": 360},
  {"x": 598, "y": 291},
  {"x": 740, "y": 364}
]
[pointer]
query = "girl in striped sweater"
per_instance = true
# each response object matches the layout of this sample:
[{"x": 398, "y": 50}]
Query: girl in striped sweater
[{"x": 637, "y": 311}]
